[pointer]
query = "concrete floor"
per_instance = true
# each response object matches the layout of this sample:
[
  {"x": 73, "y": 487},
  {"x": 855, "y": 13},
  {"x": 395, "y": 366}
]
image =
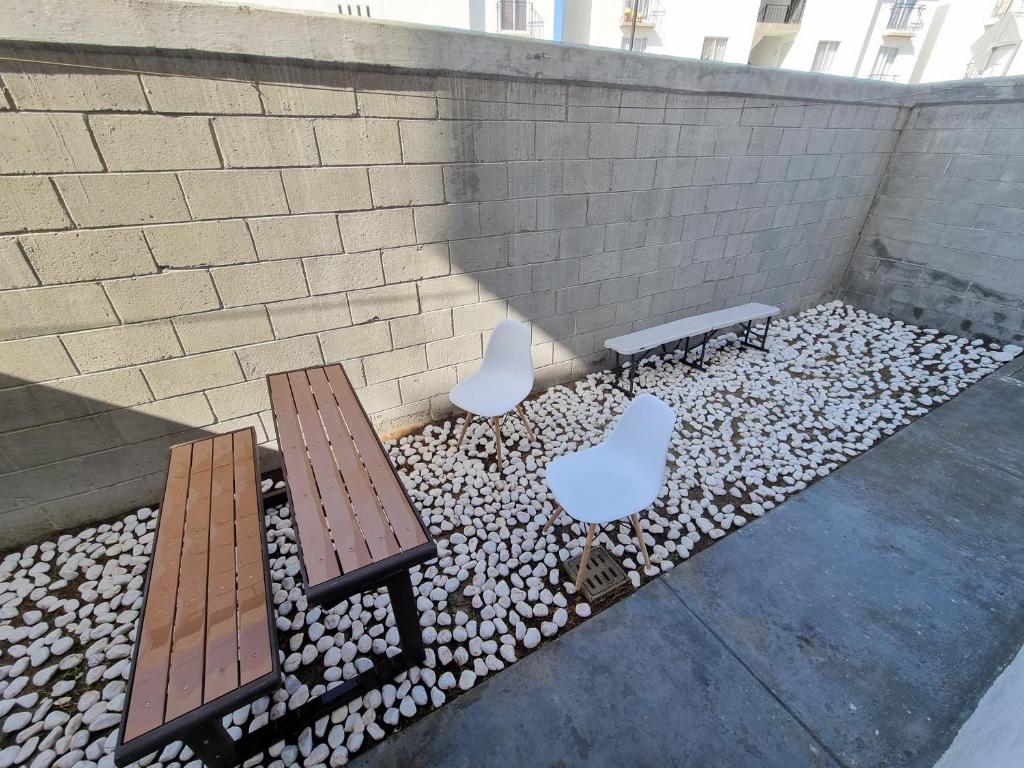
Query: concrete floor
[{"x": 858, "y": 624}]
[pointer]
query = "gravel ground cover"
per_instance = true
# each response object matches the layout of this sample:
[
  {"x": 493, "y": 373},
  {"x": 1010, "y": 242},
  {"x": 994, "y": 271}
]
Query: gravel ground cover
[{"x": 751, "y": 431}]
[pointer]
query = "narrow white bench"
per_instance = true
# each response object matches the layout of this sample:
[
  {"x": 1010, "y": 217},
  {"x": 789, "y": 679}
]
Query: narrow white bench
[{"x": 679, "y": 331}]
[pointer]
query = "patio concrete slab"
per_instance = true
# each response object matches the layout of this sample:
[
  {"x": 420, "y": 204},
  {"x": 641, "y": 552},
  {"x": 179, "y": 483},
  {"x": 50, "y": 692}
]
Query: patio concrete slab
[
  {"x": 858, "y": 624},
  {"x": 641, "y": 684}
]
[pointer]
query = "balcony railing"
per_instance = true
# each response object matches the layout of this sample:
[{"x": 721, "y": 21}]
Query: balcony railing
[
  {"x": 906, "y": 18},
  {"x": 1003, "y": 7},
  {"x": 781, "y": 13},
  {"x": 648, "y": 12},
  {"x": 519, "y": 16}
]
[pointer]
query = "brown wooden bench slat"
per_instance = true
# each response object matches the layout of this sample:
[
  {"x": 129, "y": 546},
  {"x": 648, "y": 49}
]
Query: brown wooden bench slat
[
  {"x": 377, "y": 531},
  {"x": 149, "y": 685},
  {"x": 318, "y": 555},
  {"x": 185, "y": 680},
  {"x": 403, "y": 519},
  {"x": 255, "y": 653},
  {"x": 206, "y": 644},
  {"x": 349, "y": 541},
  {"x": 221, "y": 595}
]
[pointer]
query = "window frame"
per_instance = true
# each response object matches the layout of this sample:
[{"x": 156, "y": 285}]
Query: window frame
[
  {"x": 884, "y": 60},
  {"x": 520, "y": 21},
  {"x": 824, "y": 56},
  {"x": 714, "y": 41}
]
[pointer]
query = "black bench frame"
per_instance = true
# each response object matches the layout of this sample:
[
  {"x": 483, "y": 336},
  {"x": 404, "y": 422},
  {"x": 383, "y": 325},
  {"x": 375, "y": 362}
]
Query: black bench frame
[{"x": 637, "y": 358}]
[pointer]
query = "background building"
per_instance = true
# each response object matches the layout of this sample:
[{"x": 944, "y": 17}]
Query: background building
[{"x": 906, "y": 41}]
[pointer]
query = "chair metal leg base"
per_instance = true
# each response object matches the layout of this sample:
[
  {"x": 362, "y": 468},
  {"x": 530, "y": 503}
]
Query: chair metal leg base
[
  {"x": 640, "y": 539},
  {"x": 526, "y": 423},
  {"x": 591, "y": 530},
  {"x": 497, "y": 440},
  {"x": 553, "y": 519},
  {"x": 465, "y": 428}
]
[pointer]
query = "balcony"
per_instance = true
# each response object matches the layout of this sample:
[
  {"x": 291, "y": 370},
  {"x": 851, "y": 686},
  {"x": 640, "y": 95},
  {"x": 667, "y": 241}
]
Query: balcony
[
  {"x": 1011, "y": 7},
  {"x": 781, "y": 13},
  {"x": 647, "y": 12},
  {"x": 518, "y": 17},
  {"x": 905, "y": 19}
]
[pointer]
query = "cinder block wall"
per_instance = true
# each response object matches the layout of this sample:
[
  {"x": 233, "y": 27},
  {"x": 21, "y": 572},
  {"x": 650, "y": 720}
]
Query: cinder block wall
[
  {"x": 175, "y": 228},
  {"x": 944, "y": 244}
]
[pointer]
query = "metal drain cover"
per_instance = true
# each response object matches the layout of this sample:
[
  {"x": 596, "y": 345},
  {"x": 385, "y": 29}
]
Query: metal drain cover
[{"x": 604, "y": 576}]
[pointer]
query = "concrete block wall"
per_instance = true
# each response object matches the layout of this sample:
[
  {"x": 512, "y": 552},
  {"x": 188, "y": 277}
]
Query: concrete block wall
[
  {"x": 943, "y": 246},
  {"x": 175, "y": 228}
]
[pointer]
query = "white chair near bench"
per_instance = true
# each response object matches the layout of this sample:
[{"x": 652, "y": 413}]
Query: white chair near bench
[
  {"x": 502, "y": 382},
  {"x": 618, "y": 478},
  {"x": 633, "y": 346}
]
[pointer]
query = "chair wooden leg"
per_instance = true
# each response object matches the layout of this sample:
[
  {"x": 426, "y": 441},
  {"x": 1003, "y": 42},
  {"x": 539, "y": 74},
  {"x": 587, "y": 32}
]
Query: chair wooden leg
[
  {"x": 640, "y": 538},
  {"x": 526, "y": 422},
  {"x": 551, "y": 520},
  {"x": 465, "y": 427},
  {"x": 591, "y": 530},
  {"x": 497, "y": 439}
]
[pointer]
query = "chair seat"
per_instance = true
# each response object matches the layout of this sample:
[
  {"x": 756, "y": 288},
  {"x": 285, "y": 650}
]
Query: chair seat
[
  {"x": 490, "y": 393},
  {"x": 595, "y": 486}
]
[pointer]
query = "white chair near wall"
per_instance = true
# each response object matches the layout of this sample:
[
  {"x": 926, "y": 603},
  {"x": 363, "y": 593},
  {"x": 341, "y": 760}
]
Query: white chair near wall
[
  {"x": 617, "y": 478},
  {"x": 502, "y": 382}
]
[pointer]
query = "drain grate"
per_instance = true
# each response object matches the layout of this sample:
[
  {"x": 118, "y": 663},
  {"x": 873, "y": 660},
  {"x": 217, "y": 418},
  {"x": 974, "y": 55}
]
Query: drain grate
[{"x": 604, "y": 575}]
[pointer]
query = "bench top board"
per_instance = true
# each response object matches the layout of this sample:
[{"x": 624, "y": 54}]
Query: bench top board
[
  {"x": 354, "y": 522},
  {"x": 206, "y": 644},
  {"x": 641, "y": 341}
]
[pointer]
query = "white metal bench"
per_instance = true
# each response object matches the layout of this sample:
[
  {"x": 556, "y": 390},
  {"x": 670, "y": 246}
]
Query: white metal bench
[{"x": 639, "y": 343}]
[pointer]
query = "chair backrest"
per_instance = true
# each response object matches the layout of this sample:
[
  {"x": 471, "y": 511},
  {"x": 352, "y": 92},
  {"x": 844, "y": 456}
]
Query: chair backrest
[
  {"x": 642, "y": 435},
  {"x": 508, "y": 350}
]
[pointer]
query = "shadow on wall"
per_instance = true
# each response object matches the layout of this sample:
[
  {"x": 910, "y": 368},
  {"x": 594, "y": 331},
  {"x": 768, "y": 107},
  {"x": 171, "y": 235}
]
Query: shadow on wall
[
  {"x": 101, "y": 459},
  {"x": 539, "y": 220}
]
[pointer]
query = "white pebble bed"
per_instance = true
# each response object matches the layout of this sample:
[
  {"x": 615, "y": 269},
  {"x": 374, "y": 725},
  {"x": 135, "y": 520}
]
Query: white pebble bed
[{"x": 752, "y": 430}]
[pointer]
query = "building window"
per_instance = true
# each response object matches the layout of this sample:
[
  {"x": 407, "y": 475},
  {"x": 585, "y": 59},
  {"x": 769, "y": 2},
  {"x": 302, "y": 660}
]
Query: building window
[
  {"x": 714, "y": 48},
  {"x": 639, "y": 44},
  {"x": 824, "y": 56},
  {"x": 882, "y": 68},
  {"x": 512, "y": 15},
  {"x": 357, "y": 9}
]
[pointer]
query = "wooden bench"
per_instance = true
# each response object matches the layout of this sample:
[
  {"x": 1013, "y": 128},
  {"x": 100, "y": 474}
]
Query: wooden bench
[
  {"x": 207, "y": 643},
  {"x": 639, "y": 343},
  {"x": 355, "y": 526}
]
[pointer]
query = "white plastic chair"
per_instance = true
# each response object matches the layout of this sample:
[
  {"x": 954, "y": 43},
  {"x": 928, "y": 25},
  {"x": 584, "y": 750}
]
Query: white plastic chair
[
  {"x": 618, "y": 478},
  {"x": 502, "y": 382}
]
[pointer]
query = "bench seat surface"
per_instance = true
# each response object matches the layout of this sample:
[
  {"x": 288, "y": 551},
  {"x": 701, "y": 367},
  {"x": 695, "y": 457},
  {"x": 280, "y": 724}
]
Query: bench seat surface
[
  {"x": 206, "y": 631},
  {"x": 352, "y": 515},
  {"x": 648, "y": 338}
]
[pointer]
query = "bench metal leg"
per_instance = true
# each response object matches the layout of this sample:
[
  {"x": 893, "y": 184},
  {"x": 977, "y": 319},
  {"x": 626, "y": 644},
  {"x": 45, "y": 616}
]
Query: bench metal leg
[
  {"x": 763, "y": 347},
  {"x": 407, "y": 617},
  {"x": 619, "y": 367},
  {"x": 633, "y": 365},
  {"x": 686, "y": 358},
  {"x": 215, "y": 742},
  {"x": 214, "y": 746}
]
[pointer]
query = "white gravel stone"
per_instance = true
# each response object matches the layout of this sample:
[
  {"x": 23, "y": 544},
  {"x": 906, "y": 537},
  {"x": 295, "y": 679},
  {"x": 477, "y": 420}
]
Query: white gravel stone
[{"x": 753, "y": 431}]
